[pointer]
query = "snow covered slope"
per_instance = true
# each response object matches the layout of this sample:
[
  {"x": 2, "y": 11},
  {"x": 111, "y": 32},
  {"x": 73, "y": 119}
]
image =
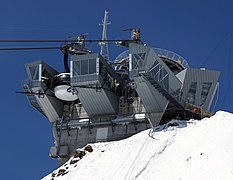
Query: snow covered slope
[{"x": 179, "y": 150}]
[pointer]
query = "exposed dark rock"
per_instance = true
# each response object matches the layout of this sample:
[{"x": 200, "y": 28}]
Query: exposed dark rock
[
  {"x": 73, "y": 161},
  {"x": 64, "y": 173},
  {"x": 61, "y": 172},
  {"x": 88, "y": 148},
  {"x": 79, "y": 154},
  {"x": 53, "y": 174}
]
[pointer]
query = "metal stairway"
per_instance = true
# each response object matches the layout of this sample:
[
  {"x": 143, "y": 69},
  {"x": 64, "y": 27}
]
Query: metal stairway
[
  {"x": 32, "y": 99},
  {"x": 173, "y": 102}
]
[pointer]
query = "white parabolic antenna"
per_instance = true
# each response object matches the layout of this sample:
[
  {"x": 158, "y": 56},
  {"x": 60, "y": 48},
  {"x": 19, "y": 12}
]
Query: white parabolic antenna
[
  {"x": 62, "y": 89},
  {"x": 64, "y": 93}
]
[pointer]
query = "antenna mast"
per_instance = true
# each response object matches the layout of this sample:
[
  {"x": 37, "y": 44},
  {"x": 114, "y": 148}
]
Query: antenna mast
[{"x": 104, "y": 44}]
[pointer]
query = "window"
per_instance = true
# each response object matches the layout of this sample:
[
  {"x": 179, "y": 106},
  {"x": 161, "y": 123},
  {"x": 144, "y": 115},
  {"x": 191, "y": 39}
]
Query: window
[
  {"x": 164, "y": 78},
  {"x": 84, "y": 67},
  {"x": 138, "y": 60},
  {"x": 76, "y": 68},
  {"x": 79, "y": 67},
  {"x": 155, "y": 70},
  {"x": 205, "y": 91},
  {"x": 160, "y": 75},
  {"x": 192, "y": 93},
  {"x": 165, "y": 82},
  {"x": 34, "y": 72},
  {"x": 92, "y": 66},
  {"x": 214, "y": 98}
]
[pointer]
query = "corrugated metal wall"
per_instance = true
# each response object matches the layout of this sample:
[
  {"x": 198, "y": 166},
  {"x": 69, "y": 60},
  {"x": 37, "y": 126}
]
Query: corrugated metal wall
[{"x": 200, "y": 76}]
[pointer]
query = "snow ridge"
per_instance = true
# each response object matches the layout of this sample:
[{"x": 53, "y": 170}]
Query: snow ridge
[
  {"x": 179, "y": 150},
  {"x": 140, "y": 163}
]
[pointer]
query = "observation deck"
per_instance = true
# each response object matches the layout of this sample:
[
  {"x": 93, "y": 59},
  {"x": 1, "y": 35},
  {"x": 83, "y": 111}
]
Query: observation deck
[{"x": 174, "y": 61}]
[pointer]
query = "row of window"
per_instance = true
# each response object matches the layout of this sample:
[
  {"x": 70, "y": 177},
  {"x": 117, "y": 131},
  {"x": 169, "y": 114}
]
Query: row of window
[
  {"x": 84, "y": 67},
  {"x": 204, "y": 92},
  {"x": 81, "y": 67}
]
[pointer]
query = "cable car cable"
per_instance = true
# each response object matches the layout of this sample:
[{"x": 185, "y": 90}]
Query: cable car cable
[
  {"x": 27, "y": 48},
  {"x": 58, "y": 41}
]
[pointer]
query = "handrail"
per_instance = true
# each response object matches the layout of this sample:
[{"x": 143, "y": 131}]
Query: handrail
[
  {"x": 172, "y": 56},
  {"x": 122, "y": 56},
  {"x": 161, "y": 53}
]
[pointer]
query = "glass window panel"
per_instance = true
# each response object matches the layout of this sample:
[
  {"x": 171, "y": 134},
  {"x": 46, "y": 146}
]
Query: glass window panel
[
  {"x": 161, "y": 74},
  {"x": 154, "y": 71},
  {"x": 92, "y": 66},
  {"x": 135, "y": 61},
  {"x": 76, "y": 68},
  {"x": 34, "y": 71},
  {"x": 155, "y": 63},
  {"x": 142, "y": 55},
  {"x": 84, "y": 67},
  {"x": 46, "y": 74},
  {"x": 166, "y": 83},
  {"x": 215, "y": 99},
  {"x": 205, "y": 91},
  {"x": 138, "y": 60},
  {"x": 192, "y": 93}
]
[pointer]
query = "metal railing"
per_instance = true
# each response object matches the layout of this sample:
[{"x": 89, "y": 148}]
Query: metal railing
[
  {"x": 31, "y": 83},
  {"x": 161, "y": 53},
  {"x": 121, "y": 57},
  {"x": 172, "y": 56}
]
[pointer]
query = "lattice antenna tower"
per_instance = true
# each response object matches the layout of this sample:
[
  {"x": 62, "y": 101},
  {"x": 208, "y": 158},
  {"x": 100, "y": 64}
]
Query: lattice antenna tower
[{"x": 104, "y": 44}]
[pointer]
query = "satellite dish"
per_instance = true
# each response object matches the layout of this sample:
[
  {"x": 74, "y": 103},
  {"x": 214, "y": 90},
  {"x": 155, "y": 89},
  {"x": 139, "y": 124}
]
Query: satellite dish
[
  {"x": 62, "y": 88},
  {"x": 65, "y": 93}
]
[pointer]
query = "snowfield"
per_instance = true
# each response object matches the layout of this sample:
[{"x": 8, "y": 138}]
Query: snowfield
[{"x": 179, "y": 150}]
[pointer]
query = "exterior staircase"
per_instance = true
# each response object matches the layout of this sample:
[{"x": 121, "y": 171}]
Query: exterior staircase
[{"x": 173, "y": 101}]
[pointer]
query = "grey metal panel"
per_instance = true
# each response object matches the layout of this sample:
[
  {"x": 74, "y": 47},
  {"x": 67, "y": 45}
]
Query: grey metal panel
[
  {"x": 149, "y": 60},
  {"x": 181, "y": 75},
  {"x": 153, "y": 101},
  {"x": 44, "y": 66},
  {"x": 86, "y": 80},
  {"x": 155, "y": 118},
  {"x": 91, "y": 78},
  {"x": 95, "y": 101},
  {"x": 77, "y": 138},
  {"x": 111, "y": 71},
  {"x": 200, "y": 76},
  {"x": 51, "y": 106},
  {"x": 98, "y": 102},
  {"x": 214, "y": 94},
  {"x": 174, "y": 82},
  {"x": 75, "y": 57},
  {"x": 49, "y": 69},
  {"x": 138, "y": 48}
]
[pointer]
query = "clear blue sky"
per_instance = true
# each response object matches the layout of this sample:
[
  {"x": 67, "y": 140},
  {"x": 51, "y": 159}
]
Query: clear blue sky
[{"x": 201, "y": 31}]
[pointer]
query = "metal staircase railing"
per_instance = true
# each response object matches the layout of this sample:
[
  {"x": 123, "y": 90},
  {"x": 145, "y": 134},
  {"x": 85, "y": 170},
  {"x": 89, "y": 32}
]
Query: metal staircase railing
[{"x": 173, "y": 101}]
